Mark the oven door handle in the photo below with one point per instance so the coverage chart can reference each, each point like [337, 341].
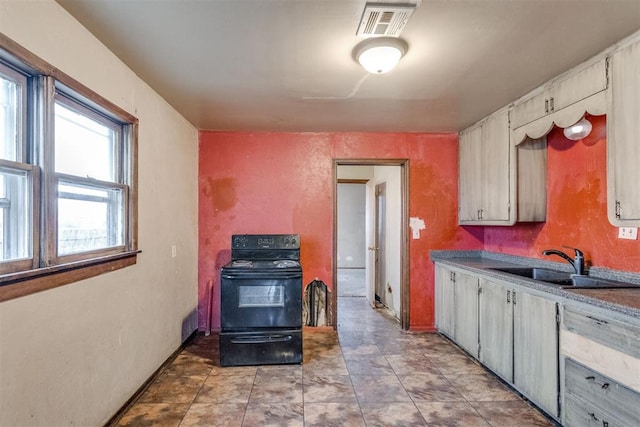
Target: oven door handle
[261, 275]
[261, 339]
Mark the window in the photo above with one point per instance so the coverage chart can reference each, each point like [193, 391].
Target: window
[67, 174]
[91, 195]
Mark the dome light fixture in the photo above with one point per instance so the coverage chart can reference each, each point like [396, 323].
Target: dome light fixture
[579, 130]
[379, 55]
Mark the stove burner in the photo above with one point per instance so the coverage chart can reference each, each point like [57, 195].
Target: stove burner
[285, 263]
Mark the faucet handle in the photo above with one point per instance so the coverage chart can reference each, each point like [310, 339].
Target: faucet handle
[578, 252]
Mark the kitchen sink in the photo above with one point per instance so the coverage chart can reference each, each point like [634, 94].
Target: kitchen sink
[543, 274]
[583, 282]
[564, 279]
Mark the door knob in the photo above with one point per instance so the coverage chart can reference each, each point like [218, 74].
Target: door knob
[372, 248]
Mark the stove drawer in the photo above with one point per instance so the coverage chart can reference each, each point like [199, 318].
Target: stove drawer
[274, 347]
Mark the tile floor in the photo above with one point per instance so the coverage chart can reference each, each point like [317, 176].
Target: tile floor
[369, 373]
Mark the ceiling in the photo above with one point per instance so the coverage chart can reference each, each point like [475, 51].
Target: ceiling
[286, 65]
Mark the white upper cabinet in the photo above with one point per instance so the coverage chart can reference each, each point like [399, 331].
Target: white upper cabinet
[623, 137]
[559, 94]
[485, 168]
[500, 183]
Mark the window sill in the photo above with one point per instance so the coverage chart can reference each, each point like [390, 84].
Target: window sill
[16, 285]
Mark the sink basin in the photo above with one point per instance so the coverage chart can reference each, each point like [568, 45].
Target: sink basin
[583, 282]
[564, 279]
[542, 274]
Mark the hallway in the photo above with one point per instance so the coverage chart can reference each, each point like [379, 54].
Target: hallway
[370, 373]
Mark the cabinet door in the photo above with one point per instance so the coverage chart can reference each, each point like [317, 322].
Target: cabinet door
[579, 86]
[535, 350]
[623, 137]
[466, 312]
[469, 173]
[496, 166]
[485, 173]
[445, 300]
[496, 328]
[530, 109]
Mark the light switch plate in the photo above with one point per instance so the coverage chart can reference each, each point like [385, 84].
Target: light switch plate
[630, 233]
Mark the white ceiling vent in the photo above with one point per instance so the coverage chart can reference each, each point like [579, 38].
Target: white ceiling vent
[383, 19]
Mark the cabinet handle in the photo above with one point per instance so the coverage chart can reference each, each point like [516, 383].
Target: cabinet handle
[605, 386]
[590, 378]
[593, 416]
[514, 297]
[551, 106]
[508, 297]
[546, 105]
[617, 209]
[605, 423]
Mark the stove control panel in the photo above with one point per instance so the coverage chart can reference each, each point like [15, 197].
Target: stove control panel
[265, 241]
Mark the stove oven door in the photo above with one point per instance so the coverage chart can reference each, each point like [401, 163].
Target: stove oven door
[263, 300]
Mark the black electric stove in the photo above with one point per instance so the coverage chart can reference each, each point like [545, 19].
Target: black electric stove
[261, 301]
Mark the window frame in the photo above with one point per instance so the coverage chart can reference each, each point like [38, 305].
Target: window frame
[47, 269]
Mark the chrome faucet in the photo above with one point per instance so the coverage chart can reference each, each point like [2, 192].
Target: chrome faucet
[577, 262]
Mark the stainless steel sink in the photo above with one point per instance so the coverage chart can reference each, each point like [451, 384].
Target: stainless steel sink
[564, 279]
[583, 282]
[546, 275]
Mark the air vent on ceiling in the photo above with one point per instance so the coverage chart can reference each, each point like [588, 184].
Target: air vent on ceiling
[383, 19]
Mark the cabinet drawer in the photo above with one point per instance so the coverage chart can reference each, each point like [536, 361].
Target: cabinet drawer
[601, 392]
[581, 414]
[612, 333]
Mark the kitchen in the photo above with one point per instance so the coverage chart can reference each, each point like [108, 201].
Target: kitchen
[141, 314]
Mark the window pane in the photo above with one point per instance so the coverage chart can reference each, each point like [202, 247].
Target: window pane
[89, 218]
[11, 94]
[84, 146]
[15, 215]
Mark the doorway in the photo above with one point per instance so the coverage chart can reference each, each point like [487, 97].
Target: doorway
[385, 248]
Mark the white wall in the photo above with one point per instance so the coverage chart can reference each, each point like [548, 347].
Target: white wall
[74, 354]
[351, 225]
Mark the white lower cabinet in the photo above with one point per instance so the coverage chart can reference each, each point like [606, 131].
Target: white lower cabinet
[466, 312]
[512, 332]
[496, 329]
[535, 350]
[519, 341]
[445, 312]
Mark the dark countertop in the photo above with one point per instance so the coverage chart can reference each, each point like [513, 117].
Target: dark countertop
[623, 297]
[623, 300]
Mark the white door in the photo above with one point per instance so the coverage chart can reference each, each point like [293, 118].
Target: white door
[370, 230]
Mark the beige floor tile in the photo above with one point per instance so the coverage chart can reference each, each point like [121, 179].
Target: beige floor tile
[392, 414]
[332, 415]
[511, 413]
[214, 415]
[328, 388]
[449, 414]
[274, 414]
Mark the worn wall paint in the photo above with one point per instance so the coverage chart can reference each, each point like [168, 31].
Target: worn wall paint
[576, 208]
[283, 183]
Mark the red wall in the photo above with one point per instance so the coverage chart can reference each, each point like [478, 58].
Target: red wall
[283, 183]
[576, 208]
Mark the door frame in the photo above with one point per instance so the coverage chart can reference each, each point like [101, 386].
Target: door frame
[404, 233]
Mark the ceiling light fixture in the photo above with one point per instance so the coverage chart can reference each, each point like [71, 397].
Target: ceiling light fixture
[380, 55]
[578, 130]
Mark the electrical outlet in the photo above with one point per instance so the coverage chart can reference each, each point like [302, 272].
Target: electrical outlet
[630, 233]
